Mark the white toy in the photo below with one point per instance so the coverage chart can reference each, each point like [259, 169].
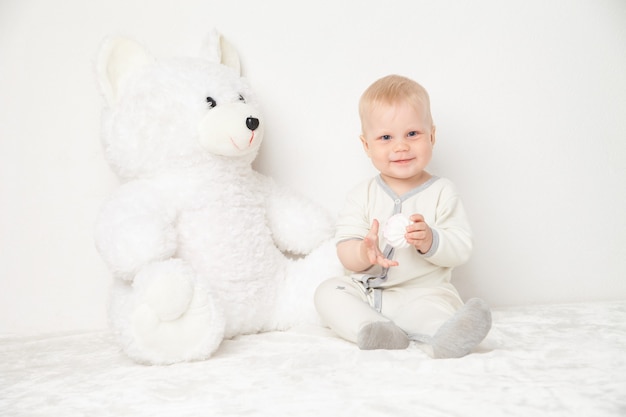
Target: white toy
[201, 246]
[395, 230]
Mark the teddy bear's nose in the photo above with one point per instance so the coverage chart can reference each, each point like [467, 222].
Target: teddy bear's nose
[252, 123]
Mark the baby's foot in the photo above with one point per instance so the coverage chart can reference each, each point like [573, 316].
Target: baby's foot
[464, 331]
[382, 335]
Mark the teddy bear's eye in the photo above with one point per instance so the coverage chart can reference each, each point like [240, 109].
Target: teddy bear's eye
[211, 102]
[242, 99]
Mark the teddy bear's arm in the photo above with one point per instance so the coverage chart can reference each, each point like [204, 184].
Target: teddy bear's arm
[298, 224]
[135, 227]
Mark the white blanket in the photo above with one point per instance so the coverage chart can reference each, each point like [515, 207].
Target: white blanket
[558, 360]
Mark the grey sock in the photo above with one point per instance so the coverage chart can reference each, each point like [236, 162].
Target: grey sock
[464, 331]
[382, 335]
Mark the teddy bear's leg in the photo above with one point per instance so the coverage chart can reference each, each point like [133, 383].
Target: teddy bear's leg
[294, 304]
[165, 317]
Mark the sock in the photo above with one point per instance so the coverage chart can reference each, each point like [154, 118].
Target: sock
[382, 335]
[463, 331]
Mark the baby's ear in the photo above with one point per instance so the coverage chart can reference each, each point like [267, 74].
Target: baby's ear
[433, 137]
[366, 146]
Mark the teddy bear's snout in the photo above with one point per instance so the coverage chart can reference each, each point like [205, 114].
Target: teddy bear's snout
[252, 123]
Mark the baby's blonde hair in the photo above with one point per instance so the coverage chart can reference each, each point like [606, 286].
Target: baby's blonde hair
[393, 89]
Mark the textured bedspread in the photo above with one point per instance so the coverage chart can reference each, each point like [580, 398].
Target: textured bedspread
[559, 360]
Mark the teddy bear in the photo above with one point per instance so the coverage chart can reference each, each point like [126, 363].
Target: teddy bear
[201, 246]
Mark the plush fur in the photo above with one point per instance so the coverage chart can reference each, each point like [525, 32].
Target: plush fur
[201, 246]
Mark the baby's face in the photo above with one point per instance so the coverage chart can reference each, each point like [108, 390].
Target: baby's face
[399, 140]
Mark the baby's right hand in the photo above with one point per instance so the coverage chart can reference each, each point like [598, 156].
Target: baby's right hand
[374, 255]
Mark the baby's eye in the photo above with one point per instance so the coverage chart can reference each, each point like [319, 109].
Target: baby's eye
[385, 137]
[211, 102]
[413, 134]
[242, 99]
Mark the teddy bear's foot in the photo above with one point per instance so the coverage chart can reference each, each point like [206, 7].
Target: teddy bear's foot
[172, 319]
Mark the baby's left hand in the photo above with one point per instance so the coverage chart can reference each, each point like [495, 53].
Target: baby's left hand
[419, 234]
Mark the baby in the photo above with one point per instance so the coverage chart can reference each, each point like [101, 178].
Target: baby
[401, 234]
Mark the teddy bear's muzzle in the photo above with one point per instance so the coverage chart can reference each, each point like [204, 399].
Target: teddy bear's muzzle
[231, 130]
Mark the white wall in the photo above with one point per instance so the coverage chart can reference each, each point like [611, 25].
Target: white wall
[529, 98]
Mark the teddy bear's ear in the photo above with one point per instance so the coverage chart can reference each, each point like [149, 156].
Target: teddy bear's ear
[118, 58]
[219, 50]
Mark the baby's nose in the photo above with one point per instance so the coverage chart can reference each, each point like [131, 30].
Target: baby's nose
[400, 145]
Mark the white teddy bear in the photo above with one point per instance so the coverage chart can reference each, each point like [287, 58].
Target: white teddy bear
[201, 246]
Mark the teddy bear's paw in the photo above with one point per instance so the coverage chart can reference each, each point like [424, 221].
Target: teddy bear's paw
[166, 288]
[173, 320]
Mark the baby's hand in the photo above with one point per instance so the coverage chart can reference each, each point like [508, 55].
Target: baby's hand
[419, 234]
[374, 255]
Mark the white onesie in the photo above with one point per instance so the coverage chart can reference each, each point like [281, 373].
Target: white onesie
[417, 294]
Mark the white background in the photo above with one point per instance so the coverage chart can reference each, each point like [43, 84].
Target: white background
[529, 98]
